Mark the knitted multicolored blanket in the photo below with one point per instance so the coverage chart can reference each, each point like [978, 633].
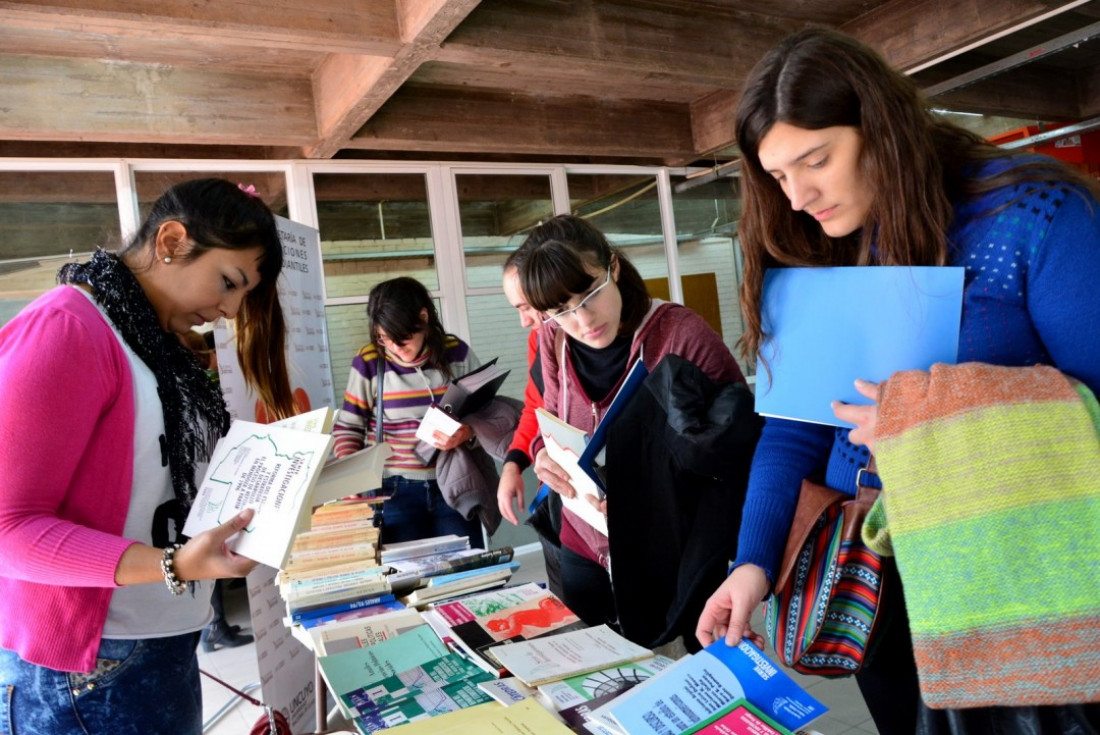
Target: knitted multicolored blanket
[992, 491]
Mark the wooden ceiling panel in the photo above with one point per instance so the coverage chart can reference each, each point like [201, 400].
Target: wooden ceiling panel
[79, 99]
[227, 57]
[611, 38]
[557, 81]
[1025, 93]
[452, 120]
[336, 26]
[914, 34]
[628, 80]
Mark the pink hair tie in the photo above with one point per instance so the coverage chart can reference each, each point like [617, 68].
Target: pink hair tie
[250, 190]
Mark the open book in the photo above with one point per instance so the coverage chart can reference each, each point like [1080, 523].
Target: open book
[697, 687]
[278, 470]
[583, 457]
[470, 393]
[465, 395]
[818, 345]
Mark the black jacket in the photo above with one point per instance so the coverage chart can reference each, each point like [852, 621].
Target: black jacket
[680, 455]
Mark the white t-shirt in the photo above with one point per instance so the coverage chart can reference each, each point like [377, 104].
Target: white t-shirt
[150, 610]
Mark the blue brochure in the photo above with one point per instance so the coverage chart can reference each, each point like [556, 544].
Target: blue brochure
[696, 687]
[593, 457]
[828, 326]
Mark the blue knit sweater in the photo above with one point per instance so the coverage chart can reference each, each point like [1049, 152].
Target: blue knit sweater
[1031, 295]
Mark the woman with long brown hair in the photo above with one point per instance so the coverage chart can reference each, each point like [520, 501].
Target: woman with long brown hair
[844, 165]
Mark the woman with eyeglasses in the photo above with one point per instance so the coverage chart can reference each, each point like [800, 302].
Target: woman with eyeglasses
[598, 320]
[415, 359]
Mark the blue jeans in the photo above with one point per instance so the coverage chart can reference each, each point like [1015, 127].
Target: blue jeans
[139, 687]
[416, 510]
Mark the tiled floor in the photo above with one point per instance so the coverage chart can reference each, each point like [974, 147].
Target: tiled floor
[847, 714]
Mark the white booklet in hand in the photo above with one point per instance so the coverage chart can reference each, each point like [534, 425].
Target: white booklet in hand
[269, 468]
[436, 419]
[566, 444]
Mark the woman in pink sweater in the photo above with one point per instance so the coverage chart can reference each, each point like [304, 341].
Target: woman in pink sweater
[104, 418]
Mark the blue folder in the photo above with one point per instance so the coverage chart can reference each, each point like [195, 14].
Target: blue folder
[826, 327]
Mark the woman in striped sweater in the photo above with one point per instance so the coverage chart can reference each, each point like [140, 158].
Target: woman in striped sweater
[419, 359]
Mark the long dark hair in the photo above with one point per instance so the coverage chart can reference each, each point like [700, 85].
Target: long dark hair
[218, 214]
[918, 166]
[394, 307]
[554, 270]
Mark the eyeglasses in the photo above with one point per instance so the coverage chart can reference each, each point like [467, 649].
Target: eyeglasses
[559, 316]
[386, 341]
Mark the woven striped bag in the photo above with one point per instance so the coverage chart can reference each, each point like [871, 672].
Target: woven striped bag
[825, 605]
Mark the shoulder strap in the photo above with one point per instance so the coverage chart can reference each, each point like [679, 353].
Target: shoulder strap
[378, 399]
[563, 389]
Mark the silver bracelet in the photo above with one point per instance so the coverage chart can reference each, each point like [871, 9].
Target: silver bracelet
[168, 569]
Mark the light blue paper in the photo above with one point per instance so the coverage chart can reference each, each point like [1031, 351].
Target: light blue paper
[829, 326]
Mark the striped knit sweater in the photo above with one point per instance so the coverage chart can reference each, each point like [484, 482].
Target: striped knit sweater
[993, 500]
[408, 390]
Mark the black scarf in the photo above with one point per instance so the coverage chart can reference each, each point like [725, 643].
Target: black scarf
[194, 410]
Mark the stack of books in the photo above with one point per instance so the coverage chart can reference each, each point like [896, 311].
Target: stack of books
[443, 670]
[438, 568]
[333, 568]
[409, 574]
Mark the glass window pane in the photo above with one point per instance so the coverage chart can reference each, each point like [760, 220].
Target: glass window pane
[47, 216]
[707, 217]
[625, 208]
[374, 227]
[495, 331]
[496, 212]
[347, 334]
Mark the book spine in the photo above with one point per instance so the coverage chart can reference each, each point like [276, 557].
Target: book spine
[340, 553]
[313, 597]
[332, 582]
[287, 576]
[426, 550]
[315, 601]
[489, 558]
[366, 525]
[315, 615]
[328, 541]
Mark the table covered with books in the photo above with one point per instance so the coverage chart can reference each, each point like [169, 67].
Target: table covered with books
[430, 637]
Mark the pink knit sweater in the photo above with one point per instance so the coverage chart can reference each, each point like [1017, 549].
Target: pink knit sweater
[66, 472]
